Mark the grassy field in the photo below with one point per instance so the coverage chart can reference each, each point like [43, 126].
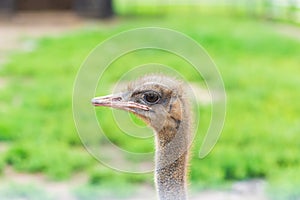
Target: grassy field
[260, 68]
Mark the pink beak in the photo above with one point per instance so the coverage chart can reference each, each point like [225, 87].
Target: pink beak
[117, 101]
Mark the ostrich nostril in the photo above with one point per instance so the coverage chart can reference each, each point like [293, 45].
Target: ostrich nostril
[116, 99]
[106, 99]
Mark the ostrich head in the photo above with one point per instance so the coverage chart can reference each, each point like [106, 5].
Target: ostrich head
[157, 100]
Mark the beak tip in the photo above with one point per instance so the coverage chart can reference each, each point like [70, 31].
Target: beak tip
[116, 101]
[94, 101]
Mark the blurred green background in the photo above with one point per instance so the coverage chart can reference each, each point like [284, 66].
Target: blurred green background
[249, 42]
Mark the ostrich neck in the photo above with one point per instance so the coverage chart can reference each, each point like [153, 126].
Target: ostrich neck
[172, 144]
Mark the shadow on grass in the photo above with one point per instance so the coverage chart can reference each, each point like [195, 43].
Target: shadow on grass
[95, 192]
[15, 191]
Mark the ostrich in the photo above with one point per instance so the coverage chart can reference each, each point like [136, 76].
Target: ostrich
[160, 101]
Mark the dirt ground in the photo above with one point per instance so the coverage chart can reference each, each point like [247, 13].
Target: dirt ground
[33, 25]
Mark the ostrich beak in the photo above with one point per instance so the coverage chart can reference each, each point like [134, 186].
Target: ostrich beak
[118, 101]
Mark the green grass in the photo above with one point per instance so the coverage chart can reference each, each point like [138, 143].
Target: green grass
[2, 164]
[260, 69]
[56, 160]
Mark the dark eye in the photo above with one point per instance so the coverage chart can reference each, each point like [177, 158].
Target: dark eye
[151, 97]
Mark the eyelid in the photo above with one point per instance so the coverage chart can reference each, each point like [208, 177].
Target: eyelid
[151, 91]
[145, 91]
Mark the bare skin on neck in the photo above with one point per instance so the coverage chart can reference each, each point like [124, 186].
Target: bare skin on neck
[173, 139]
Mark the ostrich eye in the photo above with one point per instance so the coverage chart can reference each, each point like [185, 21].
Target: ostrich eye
[151, 97]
